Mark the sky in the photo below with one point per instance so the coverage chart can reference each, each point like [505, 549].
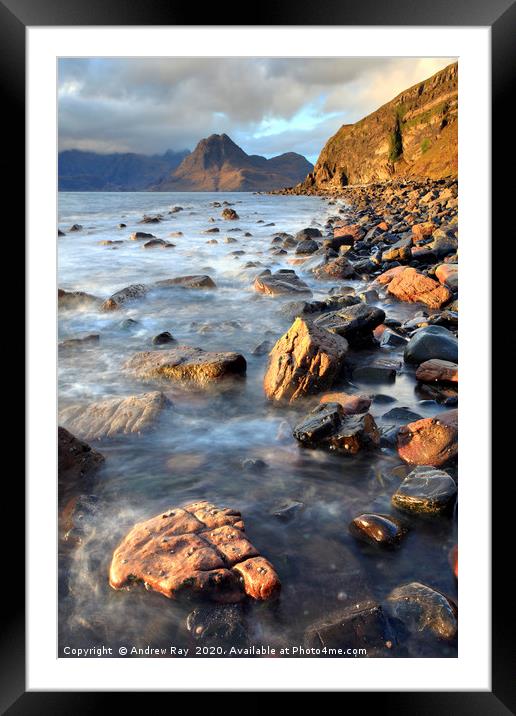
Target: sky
[266, 105]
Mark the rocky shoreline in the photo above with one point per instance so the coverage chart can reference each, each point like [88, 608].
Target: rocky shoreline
[399, 240]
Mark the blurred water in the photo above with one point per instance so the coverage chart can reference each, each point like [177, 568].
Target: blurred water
[198, 450]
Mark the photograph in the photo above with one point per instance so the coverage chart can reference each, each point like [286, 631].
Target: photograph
[257, 359]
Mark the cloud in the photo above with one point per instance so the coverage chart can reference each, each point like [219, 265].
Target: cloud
[266, 105]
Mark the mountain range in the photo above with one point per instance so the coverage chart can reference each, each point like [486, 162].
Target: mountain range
[216, 164]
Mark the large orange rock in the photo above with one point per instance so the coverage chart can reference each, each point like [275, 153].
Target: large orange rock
[436, 370]
[386, 277]
[186, 363]
[448, 274]
[430, 441]
[305, 360]
[197, 550]
[424, 230]
[414, 287]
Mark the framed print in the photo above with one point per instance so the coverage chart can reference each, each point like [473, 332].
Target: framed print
[244, 469]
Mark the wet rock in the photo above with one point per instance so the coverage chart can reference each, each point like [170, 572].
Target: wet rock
[432, 342]
[109, 242]
[129, 293]
[60, 233]
[430, 441]
[425, 490]
[186, 363]
[422, 608]
[282, 282]
[400, 251]
[122, 226]
[414, 287]
[377, 530]
[76, 299]
[327, 426]
[374, 373]
[288, 511]
[162, 338]
[448, 274]
[369, 296]
[308, 246]
[437, 371]
[218, 622]
[307, 234]
[158, 244]
[194, 281]
[128, 323]
[199, 550]
[351, 404]
[92, 339]
[150, 220]
[116, 416]
[338, 268]
[262, 348]
[141, 235]
[387, 276]
[305, 360]
[230, 240]
[75, 227]
[213, 230]
[353, 322]
[77, 462]
[229, 214]
[400, 415]
[440, 393]
[362, 625]
[391, 339]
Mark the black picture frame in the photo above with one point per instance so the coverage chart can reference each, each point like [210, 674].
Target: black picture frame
[500, 16]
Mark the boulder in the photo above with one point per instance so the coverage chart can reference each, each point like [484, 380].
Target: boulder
[448, 274]
[77, 462]
[194, 281]
[353, 232]
[423, 230]
[229, 214]
[75, 227]
[413, 287]
[425, 490]
[328, 426]
[306, 234]
[76, 299]
[350, 404]
[377, 530]
[158, 244]
[212, 623]
[129, 293]
[282, 282]
[338, 268]
[305, 360]
[432, 342]
[199, 550]
[141, 235]
[116, 416]
[308, 246]
[422, 608]
[361, 625]
[353, 322]
[162, 338]
[387, 276]
[438, 371]
[186, 363]
[400, 251]
[430, 441]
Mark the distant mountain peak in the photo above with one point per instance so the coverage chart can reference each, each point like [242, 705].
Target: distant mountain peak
[218, 164]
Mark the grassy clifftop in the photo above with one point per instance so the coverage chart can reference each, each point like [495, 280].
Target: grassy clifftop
[413, 135]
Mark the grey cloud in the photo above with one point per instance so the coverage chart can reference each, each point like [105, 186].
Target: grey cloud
[152, 104]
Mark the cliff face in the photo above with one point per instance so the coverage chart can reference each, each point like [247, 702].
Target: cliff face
[413, 135]
[218, 164]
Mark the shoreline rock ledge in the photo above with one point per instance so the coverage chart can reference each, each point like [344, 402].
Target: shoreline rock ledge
[198, 550]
